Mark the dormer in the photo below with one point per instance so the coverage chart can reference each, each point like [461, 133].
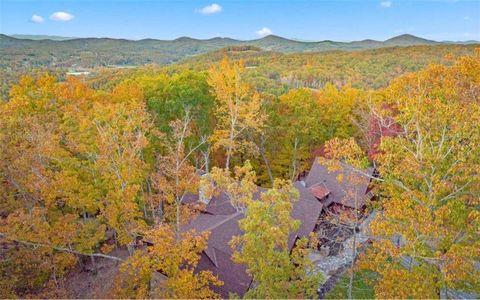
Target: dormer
[320, 191]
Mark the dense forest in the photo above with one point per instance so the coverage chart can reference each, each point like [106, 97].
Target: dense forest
[323, 61]
[90, 52]
[96, 171]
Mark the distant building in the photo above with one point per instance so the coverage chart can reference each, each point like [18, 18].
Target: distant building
[78, 73]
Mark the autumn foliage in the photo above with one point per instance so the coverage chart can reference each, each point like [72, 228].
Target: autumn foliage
[91, 167]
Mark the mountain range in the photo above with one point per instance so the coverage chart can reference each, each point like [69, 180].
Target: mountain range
[38, 51]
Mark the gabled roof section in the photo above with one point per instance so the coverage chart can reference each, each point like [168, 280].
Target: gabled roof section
[220, 205]
[221, 227]
[217, 256]
[210, 252]
[343, 191]
[307, 210]
[320, 191]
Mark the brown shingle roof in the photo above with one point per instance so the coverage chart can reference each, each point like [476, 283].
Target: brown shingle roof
[221, 219]
[220, 205]
[307, 209]
[217, 256]
[343, 191]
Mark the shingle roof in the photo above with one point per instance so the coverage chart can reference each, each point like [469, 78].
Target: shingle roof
[217, 256]
[343, 191]
[223, 227]
[221, 219]
[307, 209]
[220, 205]
[234, 276]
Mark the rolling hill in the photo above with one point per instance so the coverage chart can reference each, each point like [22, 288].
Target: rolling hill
[40, 51]
[41, 37]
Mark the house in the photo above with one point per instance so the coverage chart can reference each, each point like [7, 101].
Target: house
[347, 186]
[220, 218]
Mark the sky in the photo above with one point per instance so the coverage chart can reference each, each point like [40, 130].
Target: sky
[312, 20]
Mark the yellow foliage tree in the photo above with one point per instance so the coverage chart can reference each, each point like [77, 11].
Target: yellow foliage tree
[71, 167]
[427, 234]
[174, 261]
[239, 188]
[264, 247]
[238, 111]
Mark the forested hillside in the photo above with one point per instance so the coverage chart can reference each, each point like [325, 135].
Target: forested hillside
[275, 64]
[91, 52]
[274, 73]
[98, 171]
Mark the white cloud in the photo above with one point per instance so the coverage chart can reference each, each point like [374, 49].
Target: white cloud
[264, 31]
[466, 18]
[61, 16]
[386, 4]
[37, 19]
[211, 9]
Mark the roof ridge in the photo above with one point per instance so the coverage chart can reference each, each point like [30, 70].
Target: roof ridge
[230, 217]
[210, 252]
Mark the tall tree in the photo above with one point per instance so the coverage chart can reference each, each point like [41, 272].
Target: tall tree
[175, 176]
[238, 110]
[264, 247]
[121, 125]
[173, 261]
[298, 130]
[428, 238]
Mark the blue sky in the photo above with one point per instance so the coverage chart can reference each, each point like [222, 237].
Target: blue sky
[306, 20]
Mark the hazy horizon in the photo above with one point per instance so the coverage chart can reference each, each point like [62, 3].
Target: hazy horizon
[47, 36]
[447, 20]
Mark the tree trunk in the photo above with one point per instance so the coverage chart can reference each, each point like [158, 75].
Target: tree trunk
[294, 159]
[227, 163]
[177, 229]
[115, 238]
[230, 144]
[267, 166]
[352, 264]
[206, 158]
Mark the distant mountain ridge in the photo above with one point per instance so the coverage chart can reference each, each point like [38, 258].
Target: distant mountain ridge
[396, 40]
[36, 37]
[38, 51]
